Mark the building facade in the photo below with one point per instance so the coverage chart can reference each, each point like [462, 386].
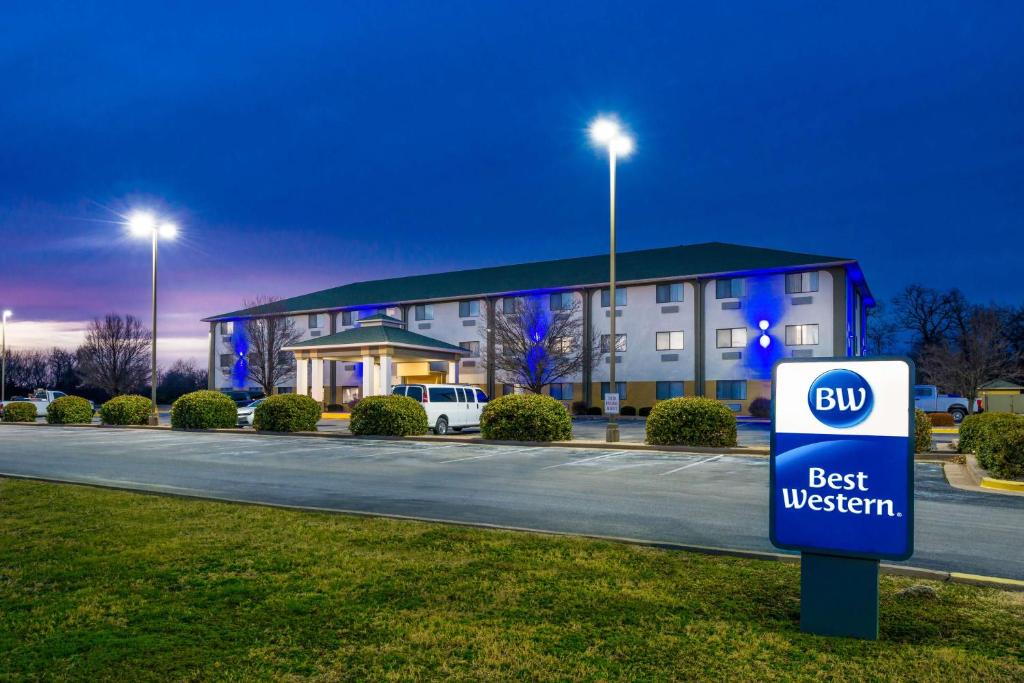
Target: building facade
[706, 319]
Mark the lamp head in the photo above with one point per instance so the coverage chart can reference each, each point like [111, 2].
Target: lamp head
[168, 231]
[622, 146]
[604, 129]
[8, 314]
[142, 224]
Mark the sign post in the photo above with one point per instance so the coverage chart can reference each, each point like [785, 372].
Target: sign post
[842, 482]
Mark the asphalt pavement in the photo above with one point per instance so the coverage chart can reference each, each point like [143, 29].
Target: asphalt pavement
[693, 499]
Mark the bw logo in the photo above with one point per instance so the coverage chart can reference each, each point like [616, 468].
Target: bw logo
[840, 398]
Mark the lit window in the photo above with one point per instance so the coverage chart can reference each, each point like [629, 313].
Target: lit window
[562, 344]
[620, 342]
[798, 283]
[669, 341]
[732, 338]
[562, 391]
[227, 327]
[469, 309]
[729, 288]
[666, 390]
[606, 389]
[620, 297]
[731, 389]
[425, 312]
[670, 292]
[801, 335]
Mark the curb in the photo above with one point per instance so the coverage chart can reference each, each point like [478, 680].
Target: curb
[941, 576]
[1002, 484]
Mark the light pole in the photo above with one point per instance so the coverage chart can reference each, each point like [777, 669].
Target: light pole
[606, 132]
[143, 224]
[3, 360]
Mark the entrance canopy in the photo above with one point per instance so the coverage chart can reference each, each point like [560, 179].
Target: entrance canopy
[384, 347]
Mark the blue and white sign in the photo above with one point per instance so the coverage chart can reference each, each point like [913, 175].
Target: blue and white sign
[842, 457]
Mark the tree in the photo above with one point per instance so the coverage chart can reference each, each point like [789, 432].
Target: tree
[534, 347]
[115, 355]
[266, 336]
[980, 352]
[881, 331]
[182, 377]
[927, 313]
[62, 367]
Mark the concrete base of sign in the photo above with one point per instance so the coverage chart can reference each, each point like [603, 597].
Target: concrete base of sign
[839, 596]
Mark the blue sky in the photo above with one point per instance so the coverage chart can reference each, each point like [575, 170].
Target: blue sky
[301, 145]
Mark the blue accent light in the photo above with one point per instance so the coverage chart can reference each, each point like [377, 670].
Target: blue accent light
[763, 303]
[240, 345]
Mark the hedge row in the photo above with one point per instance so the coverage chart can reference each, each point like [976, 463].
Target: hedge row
[998, 441]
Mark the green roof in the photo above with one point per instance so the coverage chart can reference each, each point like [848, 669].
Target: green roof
[1000, 384]
[710, 258]
[378, 334]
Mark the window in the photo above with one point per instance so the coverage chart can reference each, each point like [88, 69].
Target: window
[481, 397]
[473, 347]
[398, 391]
[731, 389]
[561, 301]
[425, 312]
[669, 341]
[442, 395]
[314, 321]
[227, 327]
[227, 360]
[510, 304]
[469, 309]
[562, 391]
[415, 392]
[668, 293]
[732, 338]
[801, 335]
[664, 390]
[605, 389]
[346, 318]
[460, 394]
[730, 288]
[620, 297]
[620, 343]
[507, 389]
[562, 344]
[797, 283]
[922, 392]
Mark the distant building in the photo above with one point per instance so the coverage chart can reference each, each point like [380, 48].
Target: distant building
[690, 319]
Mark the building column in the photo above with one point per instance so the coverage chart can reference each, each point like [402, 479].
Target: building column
[699, 336]
[333, 396]
[369, 368]
[211, 362]
[385, 375]
[453, 372]
[492, 308]
[317, 379]
[301, 379]
[587, 376]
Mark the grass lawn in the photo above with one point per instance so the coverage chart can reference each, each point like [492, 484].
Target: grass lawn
[99, 584]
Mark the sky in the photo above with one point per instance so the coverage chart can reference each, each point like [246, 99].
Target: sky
[300, 146]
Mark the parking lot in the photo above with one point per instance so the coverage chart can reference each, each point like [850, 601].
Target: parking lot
[699, 499]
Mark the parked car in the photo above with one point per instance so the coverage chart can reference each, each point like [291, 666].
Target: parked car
[242, 397]
[41, 398]
[928, 399]
[246, 413]
[448, 406]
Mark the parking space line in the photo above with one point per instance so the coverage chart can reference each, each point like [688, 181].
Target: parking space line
[692, 464]
[487, 455]
[579, 462]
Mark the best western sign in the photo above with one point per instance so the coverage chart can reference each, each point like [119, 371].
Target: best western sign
[842, 457]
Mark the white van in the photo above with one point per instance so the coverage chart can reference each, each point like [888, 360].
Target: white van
[448, 406]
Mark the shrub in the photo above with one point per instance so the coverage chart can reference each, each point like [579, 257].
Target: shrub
[20, 411]
[388, 416]
[204, 409]
[941, 419]
[352, 405]
[644, 412]
[337, 408]
[691, 421]
[1001, 449]
[286, 413]
[973, 428]
[628, 411]
[579, 407]
[922, 431]
[594, 410]
[760, 407]
[526, 417]
[68, 410]
[126, 410]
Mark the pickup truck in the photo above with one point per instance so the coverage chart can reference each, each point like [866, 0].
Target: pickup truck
[40, 398]
[928, 399]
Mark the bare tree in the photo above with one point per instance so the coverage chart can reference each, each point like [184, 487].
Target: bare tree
[115, 355]
[182, 377]
[980, 353]
[881, 332]
[267, 335]
[62, 369]
[535, 347]
[927, 313]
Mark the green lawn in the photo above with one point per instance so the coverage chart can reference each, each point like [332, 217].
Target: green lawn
[100, 584]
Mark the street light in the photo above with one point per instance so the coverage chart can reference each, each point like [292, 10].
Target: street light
[3, 359]
[607, 132]
[144, 224]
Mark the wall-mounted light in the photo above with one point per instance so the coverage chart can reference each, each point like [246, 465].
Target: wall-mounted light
[765, 341]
